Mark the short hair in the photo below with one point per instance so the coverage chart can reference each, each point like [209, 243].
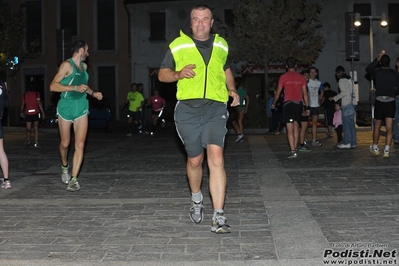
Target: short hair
[201, 7]
[133, 84]
[339, 69]
[326, 84]
[310, 68]
[140, 84]
[77, 45]
[385, 60]
[305, 71]
[291, 62]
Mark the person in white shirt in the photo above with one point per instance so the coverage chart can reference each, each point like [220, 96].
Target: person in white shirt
[314, 87]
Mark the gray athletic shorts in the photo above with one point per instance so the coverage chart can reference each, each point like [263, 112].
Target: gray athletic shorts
[199, 126]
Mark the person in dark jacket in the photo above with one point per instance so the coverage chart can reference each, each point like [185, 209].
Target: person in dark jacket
[386, 80]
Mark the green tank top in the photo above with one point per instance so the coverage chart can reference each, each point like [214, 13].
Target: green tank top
[77, 77]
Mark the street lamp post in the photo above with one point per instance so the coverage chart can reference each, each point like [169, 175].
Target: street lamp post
[384, 23]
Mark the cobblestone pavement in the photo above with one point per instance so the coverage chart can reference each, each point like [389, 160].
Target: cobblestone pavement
[132, 208]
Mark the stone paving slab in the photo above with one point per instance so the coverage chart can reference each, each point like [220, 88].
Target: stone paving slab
[132, 208]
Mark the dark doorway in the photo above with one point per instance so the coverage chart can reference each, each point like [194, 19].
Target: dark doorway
[106, 84]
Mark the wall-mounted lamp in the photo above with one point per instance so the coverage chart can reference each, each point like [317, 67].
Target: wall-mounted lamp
[384, 21]
[357, 20]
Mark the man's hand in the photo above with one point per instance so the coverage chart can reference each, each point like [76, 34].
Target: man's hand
[186, 72]
[81, 88]
[98, 95]
[236, 98]
[380, 55]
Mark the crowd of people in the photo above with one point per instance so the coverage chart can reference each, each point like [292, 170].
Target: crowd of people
[309, 94]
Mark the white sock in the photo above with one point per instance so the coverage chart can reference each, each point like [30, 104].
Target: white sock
[216, 211]
[197, 197]
[386, 148]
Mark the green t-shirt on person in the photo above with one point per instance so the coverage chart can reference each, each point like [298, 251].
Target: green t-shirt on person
[135, 100]
[243, 94]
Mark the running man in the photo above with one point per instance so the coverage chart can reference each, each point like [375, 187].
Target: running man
[199, 65]
[73, 108]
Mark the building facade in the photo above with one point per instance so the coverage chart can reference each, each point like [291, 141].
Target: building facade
[102, 24]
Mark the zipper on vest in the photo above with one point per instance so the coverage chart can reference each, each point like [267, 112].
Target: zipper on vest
[206, 70]
[206, 77]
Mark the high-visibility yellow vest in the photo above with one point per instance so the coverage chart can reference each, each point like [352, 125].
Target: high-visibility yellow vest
[210, 80]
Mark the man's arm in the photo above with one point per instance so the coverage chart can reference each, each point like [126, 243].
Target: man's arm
[321, 89]
[276, 96]
[371, 67]
[23, 104]
[39, 103]
[306, 99]
[305, 95]
[169, 75]
[231, 86]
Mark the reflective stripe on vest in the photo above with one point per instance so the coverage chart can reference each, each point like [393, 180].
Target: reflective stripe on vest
[209, 81]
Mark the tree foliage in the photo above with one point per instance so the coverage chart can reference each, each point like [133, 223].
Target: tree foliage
[12, 34]
[265, 32]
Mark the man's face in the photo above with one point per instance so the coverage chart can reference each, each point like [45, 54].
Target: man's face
[313, 73]
[201, 24]
[85, 53]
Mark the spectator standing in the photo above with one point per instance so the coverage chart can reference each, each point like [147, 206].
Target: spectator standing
[348, 110]
[337, 122]
[295, 92]
[329, 107]
[386, 81]
[315, 89]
